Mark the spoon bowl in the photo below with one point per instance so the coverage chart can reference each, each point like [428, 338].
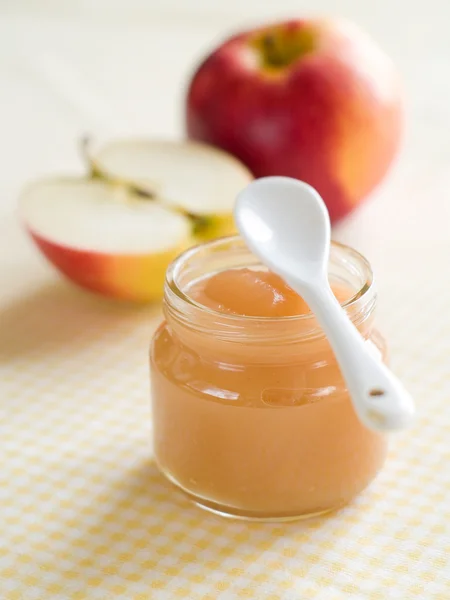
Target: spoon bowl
[282, 220]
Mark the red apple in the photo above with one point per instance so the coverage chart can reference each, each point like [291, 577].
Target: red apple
[317, 100]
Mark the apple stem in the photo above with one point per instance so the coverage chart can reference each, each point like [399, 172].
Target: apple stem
[282, 49]
[271, 52]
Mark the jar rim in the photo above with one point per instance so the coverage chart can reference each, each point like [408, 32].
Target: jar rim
[174, 289]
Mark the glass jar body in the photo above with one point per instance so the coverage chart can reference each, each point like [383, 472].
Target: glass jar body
[251, 417]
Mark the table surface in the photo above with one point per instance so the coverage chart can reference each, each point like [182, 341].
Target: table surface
[84, 512]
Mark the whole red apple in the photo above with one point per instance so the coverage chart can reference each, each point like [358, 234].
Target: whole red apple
[317, 100]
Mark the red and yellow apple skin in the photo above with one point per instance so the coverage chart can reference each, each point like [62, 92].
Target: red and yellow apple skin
[332, 115]
[129, 277]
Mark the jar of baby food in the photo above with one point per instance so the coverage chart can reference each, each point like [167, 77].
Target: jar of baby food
[251, 416]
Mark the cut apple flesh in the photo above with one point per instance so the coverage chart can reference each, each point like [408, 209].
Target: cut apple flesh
[104, 234]
[95, 216]
[198, 178]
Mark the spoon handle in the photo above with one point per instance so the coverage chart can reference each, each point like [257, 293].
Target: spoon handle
[380, 400]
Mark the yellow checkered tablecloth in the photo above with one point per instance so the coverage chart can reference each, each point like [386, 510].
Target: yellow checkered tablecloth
[85, 514]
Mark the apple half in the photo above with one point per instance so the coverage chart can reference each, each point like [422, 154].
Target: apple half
[143, 202]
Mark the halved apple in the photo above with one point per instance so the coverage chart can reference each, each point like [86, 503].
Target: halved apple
[116, 230]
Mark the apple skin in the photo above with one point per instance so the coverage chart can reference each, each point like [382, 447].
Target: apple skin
[333, 117]
[137, 278]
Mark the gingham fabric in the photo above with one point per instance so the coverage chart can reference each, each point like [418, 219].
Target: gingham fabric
[86, 515]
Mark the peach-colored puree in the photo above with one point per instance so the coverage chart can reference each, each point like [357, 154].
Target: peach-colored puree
[265, 429]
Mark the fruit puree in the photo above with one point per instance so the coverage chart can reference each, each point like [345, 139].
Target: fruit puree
[254, 293]
[253, 425]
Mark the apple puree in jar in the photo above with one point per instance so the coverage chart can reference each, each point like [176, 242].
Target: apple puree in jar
[251, 415]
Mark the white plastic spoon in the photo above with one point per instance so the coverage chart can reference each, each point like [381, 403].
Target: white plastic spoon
[286, 224]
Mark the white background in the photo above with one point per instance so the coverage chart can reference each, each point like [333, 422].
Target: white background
[113, 66]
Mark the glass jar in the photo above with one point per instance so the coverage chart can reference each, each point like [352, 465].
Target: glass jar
[251, 415]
